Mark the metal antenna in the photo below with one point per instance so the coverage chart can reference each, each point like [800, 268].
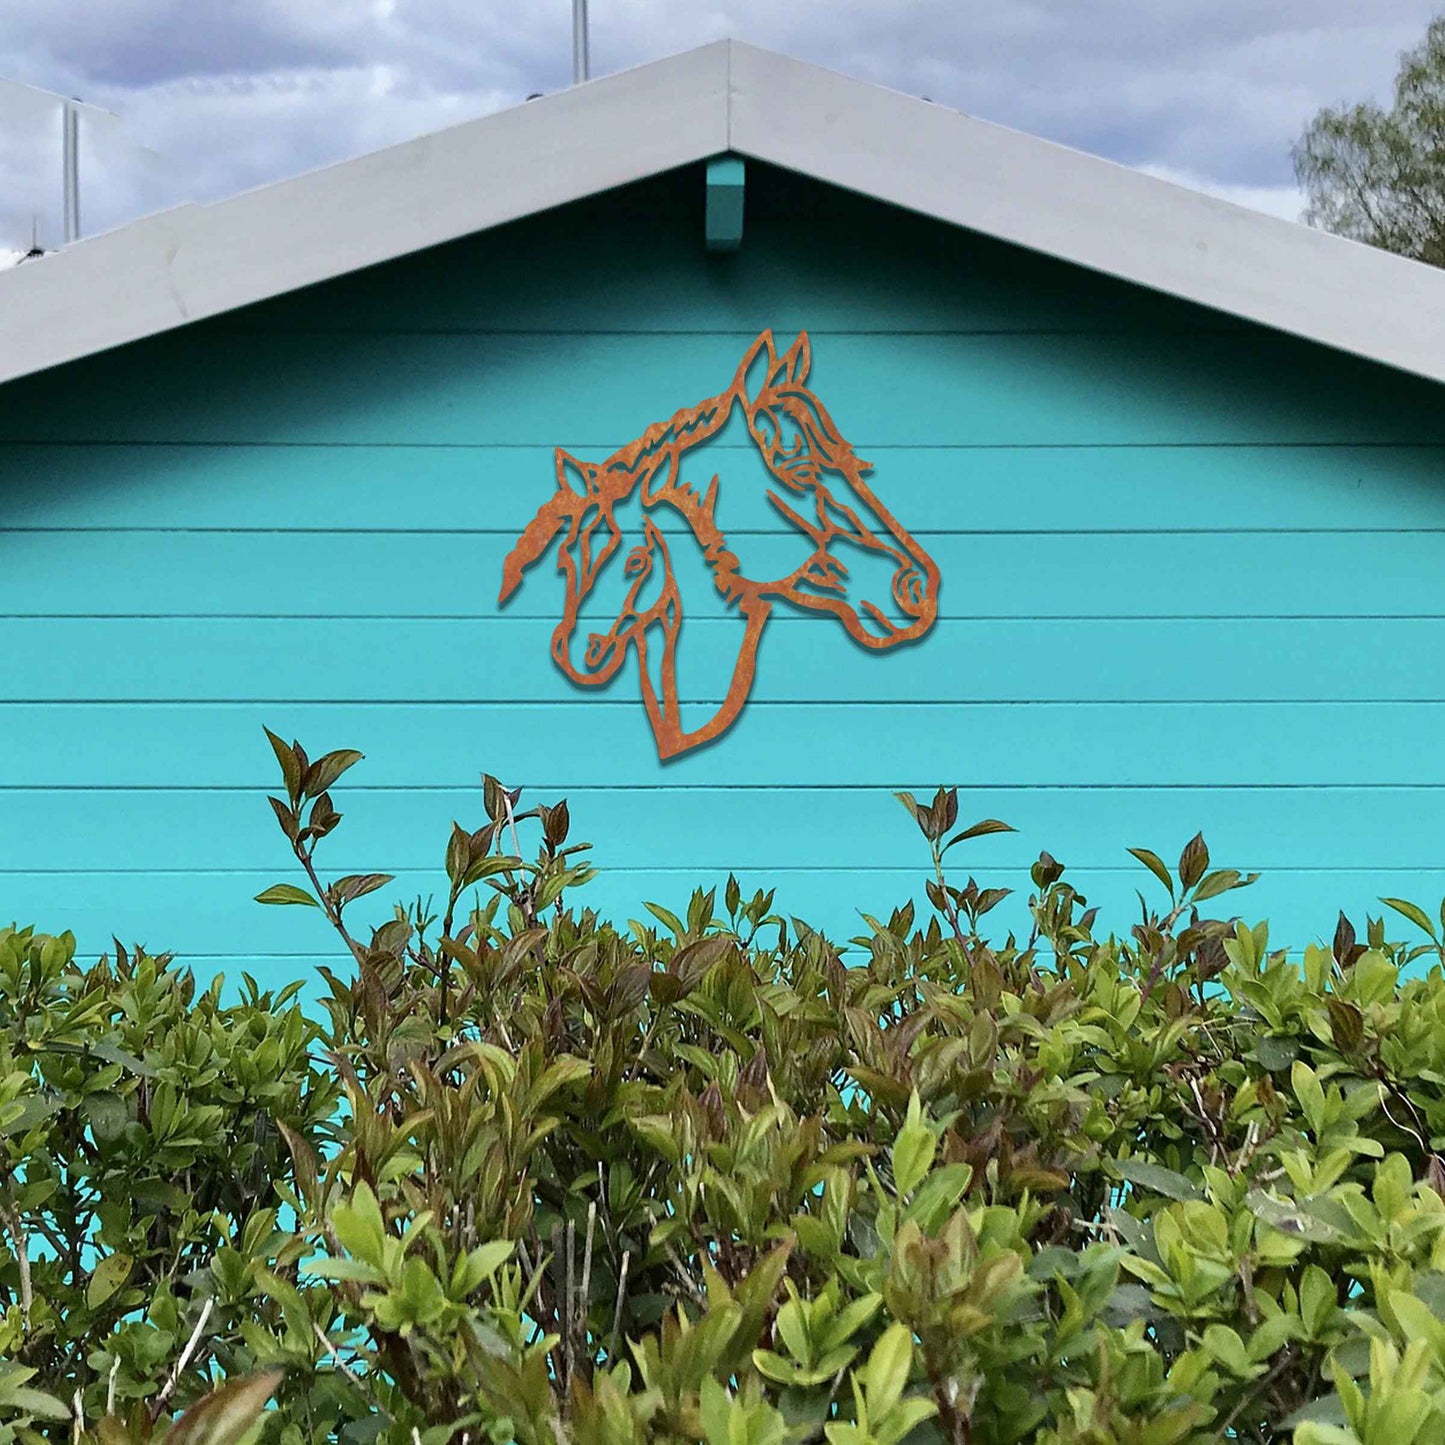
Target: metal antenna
[70, 169]
[580, 63]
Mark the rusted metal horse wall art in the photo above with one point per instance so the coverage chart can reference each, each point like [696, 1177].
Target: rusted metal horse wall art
[821, 494]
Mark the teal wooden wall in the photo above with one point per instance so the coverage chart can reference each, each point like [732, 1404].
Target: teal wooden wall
[1193, 576]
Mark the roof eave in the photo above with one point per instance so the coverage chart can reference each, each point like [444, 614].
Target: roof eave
[1095, 213]
[197, 261]
[200, 261]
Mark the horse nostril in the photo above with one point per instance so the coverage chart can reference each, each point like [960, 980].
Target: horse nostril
[909, 589]
[598, 646]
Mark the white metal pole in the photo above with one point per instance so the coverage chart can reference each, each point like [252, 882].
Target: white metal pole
[70, 169]
[580, 63]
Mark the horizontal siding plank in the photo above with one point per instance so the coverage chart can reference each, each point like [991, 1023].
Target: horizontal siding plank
[375, 575]
[720, 828]
[210, 913]
[476, 489]
[164, 659]
[408, 745]
[602, 389]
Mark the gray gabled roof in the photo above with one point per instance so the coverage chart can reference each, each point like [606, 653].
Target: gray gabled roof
[201, 260]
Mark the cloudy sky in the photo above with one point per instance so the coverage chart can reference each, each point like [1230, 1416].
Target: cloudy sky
[214, 96]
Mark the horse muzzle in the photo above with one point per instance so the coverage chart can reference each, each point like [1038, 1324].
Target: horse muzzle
[602, 656]
[911, 592]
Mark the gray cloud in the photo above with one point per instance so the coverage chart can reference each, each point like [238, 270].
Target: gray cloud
[232, 95]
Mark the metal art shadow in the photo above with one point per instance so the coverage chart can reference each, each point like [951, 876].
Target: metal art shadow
[820, 494]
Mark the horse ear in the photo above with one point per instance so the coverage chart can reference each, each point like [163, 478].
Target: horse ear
[573, 474]
[757, 367]
[797, 360]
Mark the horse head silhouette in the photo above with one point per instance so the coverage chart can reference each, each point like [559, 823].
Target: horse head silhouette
[820, 493]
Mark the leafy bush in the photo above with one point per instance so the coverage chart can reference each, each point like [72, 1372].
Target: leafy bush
[532, 1176]
[140, 1144]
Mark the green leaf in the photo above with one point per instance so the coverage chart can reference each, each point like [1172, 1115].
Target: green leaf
[1418, 1322]
[488, 1258]
[459, 850]
[1193, 861]
[1416, 915]
[770, 1366]
[1310, 1093]
[693, 961]
[889, 1365]
[667, 918]
[1222, 881]
[354, 886]
[850, 1320]
[1226, 1347]
[1271, 1335]
[112, 1053]
[107, 1277]
[558, 1075]
[981, 829]
[37, 1403]
[913, 1153]
[287, 893]
[1155, 864]
[360, 1228]
[286, 817]
[791, 1326]
[25, 1113]
[907, 1415]
[1318, 1300]
[1156, 1177]
[326, 769]
[1274, 1053]
[715, 1408]
[937, 1196]
[1401, 1415]
[489, 867]
[290, 766]
[1298, 1221]
[910, 803]
[107, 1115]
[1313, 1432]
[658, 1131]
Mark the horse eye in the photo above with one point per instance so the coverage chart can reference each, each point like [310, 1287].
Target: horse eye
[637, 561]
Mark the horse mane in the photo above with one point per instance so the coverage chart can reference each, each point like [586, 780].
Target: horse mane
[562, 509]
[700, 513]
[615, 479]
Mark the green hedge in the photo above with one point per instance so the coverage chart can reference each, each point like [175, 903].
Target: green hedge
[530, 1176]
